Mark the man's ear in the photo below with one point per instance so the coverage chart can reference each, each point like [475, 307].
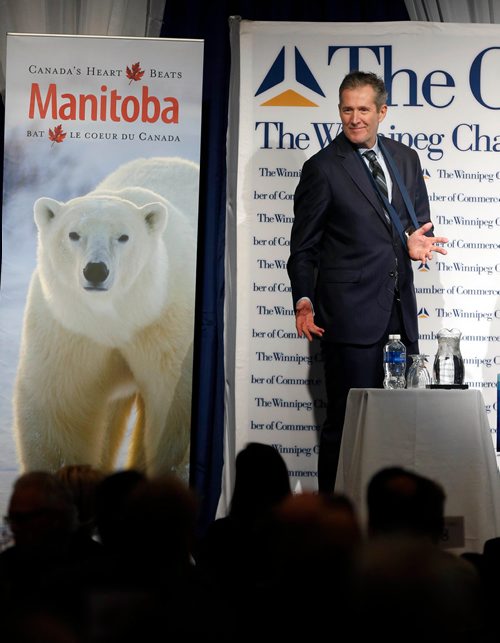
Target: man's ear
[382, 113]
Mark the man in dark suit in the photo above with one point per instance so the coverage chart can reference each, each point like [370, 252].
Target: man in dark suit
[349, 268]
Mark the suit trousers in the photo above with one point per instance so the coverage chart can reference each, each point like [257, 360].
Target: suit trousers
[349, 366]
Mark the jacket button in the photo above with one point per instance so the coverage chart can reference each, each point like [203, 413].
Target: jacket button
[391, 274]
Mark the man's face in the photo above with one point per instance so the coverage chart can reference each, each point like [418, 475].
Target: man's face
[359, 115]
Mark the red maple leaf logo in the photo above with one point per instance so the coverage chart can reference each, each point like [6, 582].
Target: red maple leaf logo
[135, 72]
[57, 135]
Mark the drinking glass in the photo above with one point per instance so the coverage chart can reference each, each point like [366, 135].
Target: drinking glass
[418, 376]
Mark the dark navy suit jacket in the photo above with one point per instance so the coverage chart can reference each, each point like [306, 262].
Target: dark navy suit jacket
[344, 255]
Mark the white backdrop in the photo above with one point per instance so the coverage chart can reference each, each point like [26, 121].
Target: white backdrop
[444, 97]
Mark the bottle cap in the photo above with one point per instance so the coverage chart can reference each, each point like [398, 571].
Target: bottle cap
[396, 336]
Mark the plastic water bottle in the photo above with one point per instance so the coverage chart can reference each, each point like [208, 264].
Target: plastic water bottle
[394, 363]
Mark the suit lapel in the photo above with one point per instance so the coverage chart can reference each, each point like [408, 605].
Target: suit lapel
[353, 165]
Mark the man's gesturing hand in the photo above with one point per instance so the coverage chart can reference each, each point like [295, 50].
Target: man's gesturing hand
[420, 247]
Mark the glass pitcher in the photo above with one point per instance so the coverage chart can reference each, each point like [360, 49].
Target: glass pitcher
[418, 376]
[448, 363]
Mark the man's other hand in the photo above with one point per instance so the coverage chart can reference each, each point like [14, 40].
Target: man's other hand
[304, 320]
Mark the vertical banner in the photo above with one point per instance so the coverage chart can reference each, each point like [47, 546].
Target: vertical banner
[100, 216]
[444, 98]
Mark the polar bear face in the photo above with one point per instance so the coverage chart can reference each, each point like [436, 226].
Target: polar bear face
[102, 264]
[97, 245]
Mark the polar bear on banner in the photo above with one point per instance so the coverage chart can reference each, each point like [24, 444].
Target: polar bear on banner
[108, 326]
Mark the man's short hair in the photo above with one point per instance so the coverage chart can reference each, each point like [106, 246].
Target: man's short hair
[356, 79]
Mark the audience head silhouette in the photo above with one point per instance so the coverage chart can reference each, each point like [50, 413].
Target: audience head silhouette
[261, 480]
[160, 519]
[112, 496]
[41, 512]
[315, 536]
[402, 501]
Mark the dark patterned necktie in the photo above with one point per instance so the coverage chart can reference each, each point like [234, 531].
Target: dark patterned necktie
[377, 172]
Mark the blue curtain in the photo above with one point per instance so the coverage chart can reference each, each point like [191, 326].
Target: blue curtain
[209, 21]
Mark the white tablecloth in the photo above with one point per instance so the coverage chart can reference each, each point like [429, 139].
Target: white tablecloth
[442, 434]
